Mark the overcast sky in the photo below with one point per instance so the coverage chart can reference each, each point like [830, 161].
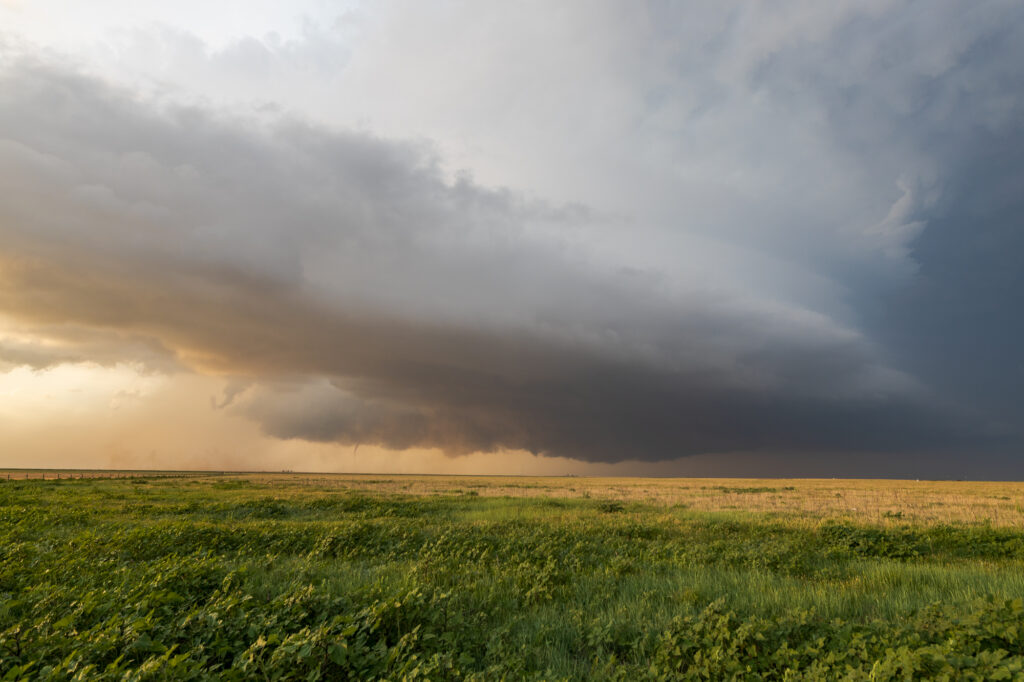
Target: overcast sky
[532, 237]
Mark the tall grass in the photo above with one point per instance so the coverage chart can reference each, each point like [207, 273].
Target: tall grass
[205, 577]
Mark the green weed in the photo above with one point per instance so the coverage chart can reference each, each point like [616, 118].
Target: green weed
[116, 580]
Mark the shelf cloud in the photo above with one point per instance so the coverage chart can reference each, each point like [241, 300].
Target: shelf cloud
[812, 244]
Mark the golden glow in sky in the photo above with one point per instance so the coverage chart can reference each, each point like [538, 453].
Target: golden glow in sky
[438, 237]
[83, 415]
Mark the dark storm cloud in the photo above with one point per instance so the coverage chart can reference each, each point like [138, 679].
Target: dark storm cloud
[960, 322]
[957, 323]
[364, 298]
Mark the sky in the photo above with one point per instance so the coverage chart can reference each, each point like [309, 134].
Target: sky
[588, 237]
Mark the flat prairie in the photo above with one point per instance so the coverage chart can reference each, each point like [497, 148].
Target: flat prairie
[884, 502]
[204, 576]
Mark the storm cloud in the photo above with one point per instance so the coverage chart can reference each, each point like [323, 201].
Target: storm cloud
[840, 278]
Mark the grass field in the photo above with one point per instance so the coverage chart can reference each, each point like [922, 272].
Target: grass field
[292, 576]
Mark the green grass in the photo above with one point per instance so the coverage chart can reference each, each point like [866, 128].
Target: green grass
[238, 579]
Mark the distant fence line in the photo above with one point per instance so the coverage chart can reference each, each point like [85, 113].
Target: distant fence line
[80, 475]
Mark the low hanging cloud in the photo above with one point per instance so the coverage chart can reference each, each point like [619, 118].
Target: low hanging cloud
[355, 293]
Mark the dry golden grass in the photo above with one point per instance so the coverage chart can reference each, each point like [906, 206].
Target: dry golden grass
[875, 501]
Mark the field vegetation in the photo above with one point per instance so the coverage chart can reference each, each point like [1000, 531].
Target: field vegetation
[347, 577]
